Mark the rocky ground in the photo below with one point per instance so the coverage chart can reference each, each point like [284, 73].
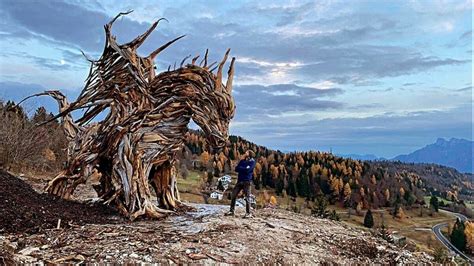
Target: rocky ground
[203, 236]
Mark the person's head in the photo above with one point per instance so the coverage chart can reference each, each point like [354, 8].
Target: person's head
[250, 154]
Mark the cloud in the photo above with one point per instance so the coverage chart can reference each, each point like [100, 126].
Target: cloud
[466, 35]
[44, 62]
[57, 20]
[72, 25]
[338, 48]
[441, 7]
[277, 99]
[296, 62]
[366, 106]
[386, 135]
[366, 62]
[465, 39]
[468, 88]
[345, 55]
[382, 90]
[410, 84]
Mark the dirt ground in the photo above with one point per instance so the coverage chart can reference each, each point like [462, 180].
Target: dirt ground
[96, 234]
[26, 211]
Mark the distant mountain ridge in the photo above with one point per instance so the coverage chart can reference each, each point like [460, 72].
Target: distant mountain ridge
[456, 153]
[362, 157]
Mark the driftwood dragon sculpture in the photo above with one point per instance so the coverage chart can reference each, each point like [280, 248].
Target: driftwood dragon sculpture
[134, 147]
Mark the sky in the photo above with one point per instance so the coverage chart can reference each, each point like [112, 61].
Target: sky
[363, 77]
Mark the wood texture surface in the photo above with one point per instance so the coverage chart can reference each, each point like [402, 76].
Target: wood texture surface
[134, 147]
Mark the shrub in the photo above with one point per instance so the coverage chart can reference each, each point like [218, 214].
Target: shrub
[368, 219]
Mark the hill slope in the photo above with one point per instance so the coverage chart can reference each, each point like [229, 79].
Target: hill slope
[203, 235]
[343, 180]
[457, 153]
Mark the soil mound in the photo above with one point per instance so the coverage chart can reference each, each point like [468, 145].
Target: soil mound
[23, 210]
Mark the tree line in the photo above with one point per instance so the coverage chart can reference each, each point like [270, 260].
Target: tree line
[25, 146]
[346, 182]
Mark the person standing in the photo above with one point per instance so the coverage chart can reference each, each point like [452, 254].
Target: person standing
[245, 176]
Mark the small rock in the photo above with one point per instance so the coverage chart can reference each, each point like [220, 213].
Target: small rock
[27, 251]
[134, 256]
[25, 259]
[197, 256]
[192, 250]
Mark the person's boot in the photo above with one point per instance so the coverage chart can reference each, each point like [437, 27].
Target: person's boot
[248, 216]
[229, 213]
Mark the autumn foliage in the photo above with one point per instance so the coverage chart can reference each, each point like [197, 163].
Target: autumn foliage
[347, 182]
[350, 183]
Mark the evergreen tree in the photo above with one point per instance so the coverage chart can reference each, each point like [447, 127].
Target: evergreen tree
[434, 203]
[409, 198]
[384, 232]
[241, 149]
[279, 186]
[458, 236]
[210, 177]
[303, 186]
[291, 190]
[396, 208]
[232, 154]
[333, 216]
[319, 209]
[40, 115]
[368, 219]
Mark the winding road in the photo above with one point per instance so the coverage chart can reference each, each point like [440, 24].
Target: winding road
[437, 231]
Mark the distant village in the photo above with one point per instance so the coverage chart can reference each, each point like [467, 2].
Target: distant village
[221, 189]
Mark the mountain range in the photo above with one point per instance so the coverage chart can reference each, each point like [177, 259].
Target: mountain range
[456, 153]
[362, 157]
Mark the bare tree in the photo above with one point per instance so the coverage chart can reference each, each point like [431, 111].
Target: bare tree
[20, 141]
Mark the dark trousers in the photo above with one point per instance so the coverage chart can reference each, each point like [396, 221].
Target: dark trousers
[245, 186]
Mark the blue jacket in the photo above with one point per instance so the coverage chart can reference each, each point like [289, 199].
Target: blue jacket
[245, 170]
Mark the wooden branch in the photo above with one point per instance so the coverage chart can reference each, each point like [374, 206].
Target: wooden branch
[140, 39]
[163, 47]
